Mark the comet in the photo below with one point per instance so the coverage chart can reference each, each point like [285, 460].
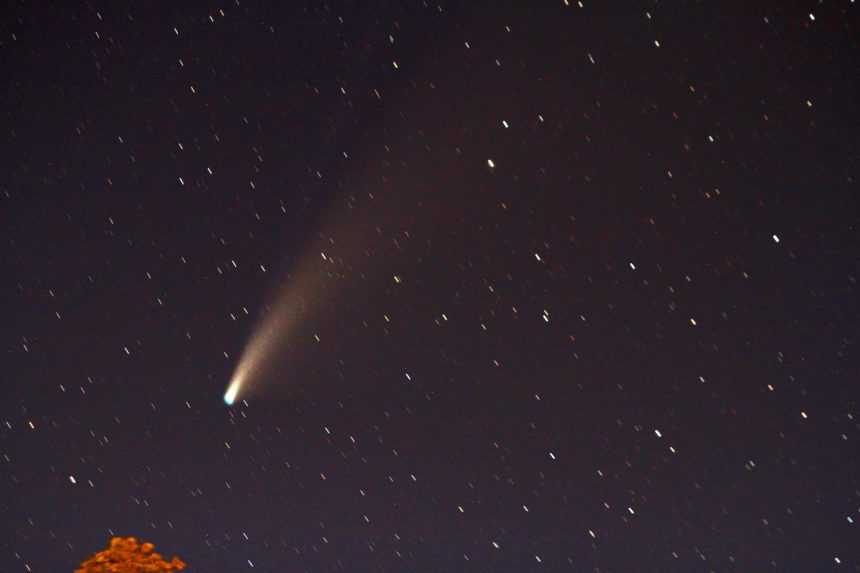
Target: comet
[274, 337]
[311, 292]
[352, 254]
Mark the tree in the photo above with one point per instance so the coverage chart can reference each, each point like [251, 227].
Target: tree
[126, 555]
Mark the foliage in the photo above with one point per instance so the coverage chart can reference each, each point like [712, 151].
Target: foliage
[126, 555]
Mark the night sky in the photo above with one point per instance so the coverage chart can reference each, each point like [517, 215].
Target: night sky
[572, 287]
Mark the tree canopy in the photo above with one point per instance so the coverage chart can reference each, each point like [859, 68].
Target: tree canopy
[127, 555]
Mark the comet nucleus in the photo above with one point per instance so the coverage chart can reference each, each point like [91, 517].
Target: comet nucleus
[232, 390]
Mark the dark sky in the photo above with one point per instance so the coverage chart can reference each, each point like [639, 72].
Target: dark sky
[574, 284]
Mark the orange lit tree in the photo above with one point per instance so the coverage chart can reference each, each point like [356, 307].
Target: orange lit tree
[126, 555]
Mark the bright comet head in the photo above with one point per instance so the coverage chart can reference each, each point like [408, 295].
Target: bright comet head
[230, 395]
